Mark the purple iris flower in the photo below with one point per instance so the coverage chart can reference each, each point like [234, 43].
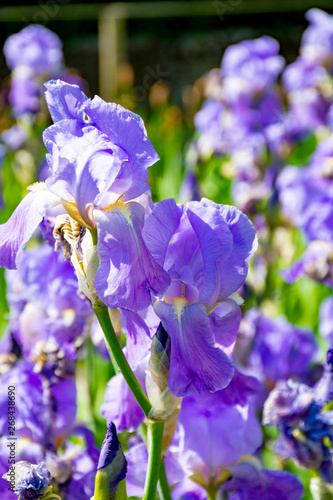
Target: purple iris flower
[205, 248]
[251, 481]
[306, 194]
[36, 47]
[279, 350]
[305, 425]
[48, 318]
[308, 106]
[99, 156]
[34, 53]
[250, 67]
[45, 411]
[317, 40]
[216, 430]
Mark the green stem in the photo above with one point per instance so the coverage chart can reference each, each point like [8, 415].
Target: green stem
[211, 493]
[155, 437]
[155, 428]
[105, 322]
[163, 489]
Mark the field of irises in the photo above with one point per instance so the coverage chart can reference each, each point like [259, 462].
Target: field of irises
[166, 308]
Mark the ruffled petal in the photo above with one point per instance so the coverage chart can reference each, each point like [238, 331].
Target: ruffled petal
[224, 322]
[217, 435]
[85, 166]
[160, 226]
[126, 129]
[64, 100]
[195, 364]
[127, 274]
[233, 270]
[17, 231]
[215, 240]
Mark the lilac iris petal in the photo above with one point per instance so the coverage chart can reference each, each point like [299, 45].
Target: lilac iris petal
[120, 406]
[84, 168]
[64, 100]
[240, 390]
[215, 431]
[122, 249]
[161, 225]
[138, 337]
[233, 270]
[215, 241]
[195, 363]
[253, 482]
[17, 231]
[125, 129]
[224, 322]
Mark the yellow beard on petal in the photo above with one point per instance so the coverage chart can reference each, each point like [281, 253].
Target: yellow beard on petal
[179, 304]
[122, 208]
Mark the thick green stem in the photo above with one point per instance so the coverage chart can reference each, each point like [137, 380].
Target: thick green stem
[105, 322]
[155, 438]
[163, 486]
[212, 493]
[155, 428]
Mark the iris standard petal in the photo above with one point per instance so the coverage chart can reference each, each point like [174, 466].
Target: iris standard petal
[84, 168]
[126, 130]
[233, 270]
[17, 231]
[160, 226]
[195, 362]
[127, 273]
[64, 100]
[215, 240]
